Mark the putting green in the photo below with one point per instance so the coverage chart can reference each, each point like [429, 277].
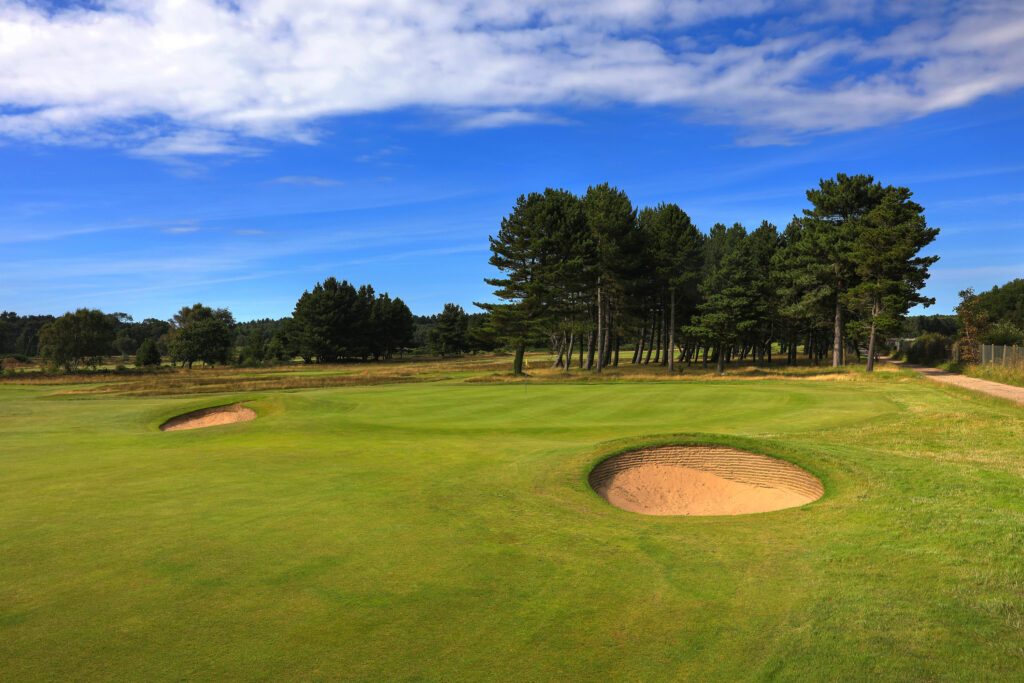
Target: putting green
[447, 531]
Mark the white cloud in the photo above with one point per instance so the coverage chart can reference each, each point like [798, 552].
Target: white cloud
[510, 117]
[177, 78]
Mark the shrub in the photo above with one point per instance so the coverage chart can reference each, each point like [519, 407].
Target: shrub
[1004, 333]
[147, 354]
[928, 349]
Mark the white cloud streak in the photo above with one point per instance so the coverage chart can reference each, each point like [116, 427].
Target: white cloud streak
[181, 78]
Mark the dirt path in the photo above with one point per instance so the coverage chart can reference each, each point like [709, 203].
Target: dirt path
[1012, 393]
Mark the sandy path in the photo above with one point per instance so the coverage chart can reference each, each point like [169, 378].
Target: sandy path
[997, 389]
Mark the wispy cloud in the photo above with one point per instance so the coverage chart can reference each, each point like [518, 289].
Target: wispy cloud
[249, 231]
[380, 156]
[203, 77]
[511, 117]
[314, 181]
[181, 229]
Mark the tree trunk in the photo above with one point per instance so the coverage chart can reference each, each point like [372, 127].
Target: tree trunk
[664, 338]
[517, 364]
[871, 341]
[637, 349]
[568, 354]
[721, 359]
[600, 331]
[561, 352]
[607, 347]
[837, 340]
[618, 341]
[672, 331]
[590, 349]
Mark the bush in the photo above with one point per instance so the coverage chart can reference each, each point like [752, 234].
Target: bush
[19, 357]
[147, 354]
[1003, 333]
[928, 349]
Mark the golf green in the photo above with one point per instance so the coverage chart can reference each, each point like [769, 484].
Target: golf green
[446, 531]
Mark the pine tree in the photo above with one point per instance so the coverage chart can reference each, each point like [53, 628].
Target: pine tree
[617, 243]
[839, 205]
[674, 249]
[890, 272]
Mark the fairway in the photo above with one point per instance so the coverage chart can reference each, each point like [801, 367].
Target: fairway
[446, 531]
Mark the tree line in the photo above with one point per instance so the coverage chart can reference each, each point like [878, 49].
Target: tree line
[593, 274]
[333, 321]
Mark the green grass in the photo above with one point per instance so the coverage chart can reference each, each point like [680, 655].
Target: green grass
[1010, 374]
[445, 531]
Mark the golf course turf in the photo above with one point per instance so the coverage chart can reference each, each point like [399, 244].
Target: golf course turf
[446, 531]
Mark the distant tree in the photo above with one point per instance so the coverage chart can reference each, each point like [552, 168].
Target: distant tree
[450, 335]
[675, 255]
[200, 333]
[519, 251]
[890, 272]
[1004, 333]
[76, 338]
[327, 321]
[618, 249]
[147, 354]
[124, 343]
[974, 323]
[726, 313]
[255, 350]
[1004, 303]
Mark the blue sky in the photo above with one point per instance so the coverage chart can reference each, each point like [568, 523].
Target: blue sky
[155, 154]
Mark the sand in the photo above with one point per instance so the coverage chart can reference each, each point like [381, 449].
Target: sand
[209, 417]
[702, 480]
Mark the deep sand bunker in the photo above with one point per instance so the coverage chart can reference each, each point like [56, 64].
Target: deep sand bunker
[208, 417]
[702, 480]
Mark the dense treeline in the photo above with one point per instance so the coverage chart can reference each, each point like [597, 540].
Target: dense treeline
[592, 274]
[334, 321]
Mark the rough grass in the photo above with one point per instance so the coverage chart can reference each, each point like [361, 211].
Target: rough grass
[444, 530]
[1010, 374]
[483, 368]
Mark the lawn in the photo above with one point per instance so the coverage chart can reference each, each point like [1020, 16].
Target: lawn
[444, 530]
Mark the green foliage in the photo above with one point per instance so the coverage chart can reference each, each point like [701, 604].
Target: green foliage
[726, 312]
[1004, 332]
[974, 323]
[336, 321]
[147, 355]
[75, 339]
[201, 334]
[255, 350]
[916, 325]
[1005, 303]
[450, 336]
[929, 349]
[20, 334]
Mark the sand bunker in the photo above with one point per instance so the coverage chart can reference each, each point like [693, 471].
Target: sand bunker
[702, 480]
[208, 417]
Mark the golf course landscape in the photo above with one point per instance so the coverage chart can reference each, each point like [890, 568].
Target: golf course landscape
[440, 526]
